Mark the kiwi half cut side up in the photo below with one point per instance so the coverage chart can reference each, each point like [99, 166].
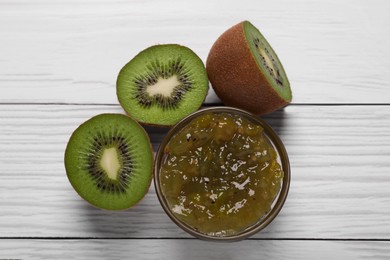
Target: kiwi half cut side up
[162, 84]
[245, 71]
[109, 161]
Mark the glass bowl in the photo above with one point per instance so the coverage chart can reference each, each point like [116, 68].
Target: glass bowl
[283, 161]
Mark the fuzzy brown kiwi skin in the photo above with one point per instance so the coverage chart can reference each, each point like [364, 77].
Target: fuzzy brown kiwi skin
[236, 77]
[146, 190]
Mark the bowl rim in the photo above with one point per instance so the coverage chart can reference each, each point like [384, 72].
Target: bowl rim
[280, 199]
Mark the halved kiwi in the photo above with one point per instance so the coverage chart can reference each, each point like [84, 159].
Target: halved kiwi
[109, 161]
[245, 71]
[162, 84]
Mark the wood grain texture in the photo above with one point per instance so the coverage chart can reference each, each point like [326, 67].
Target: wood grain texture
[340, 176]
[191, 249]
[71, 51]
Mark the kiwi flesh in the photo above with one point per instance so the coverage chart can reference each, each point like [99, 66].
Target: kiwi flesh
[162, 84]
[109, 161]
[245, 71]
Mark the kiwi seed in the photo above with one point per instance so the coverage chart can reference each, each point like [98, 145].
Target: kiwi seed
[268, 60]
[165, 102]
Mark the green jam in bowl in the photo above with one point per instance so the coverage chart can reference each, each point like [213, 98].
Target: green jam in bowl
[219, 174]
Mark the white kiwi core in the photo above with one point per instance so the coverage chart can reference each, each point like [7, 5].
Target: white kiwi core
[164, 87]
[110, 163]
[267, 59]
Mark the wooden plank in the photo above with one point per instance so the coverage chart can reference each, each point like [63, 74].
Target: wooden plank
[333, 51]
[340, 176]
[191, 249]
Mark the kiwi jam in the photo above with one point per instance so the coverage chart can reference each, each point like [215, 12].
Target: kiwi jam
[220, 174]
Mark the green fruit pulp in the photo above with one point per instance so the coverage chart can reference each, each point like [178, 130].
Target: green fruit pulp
[267, 61]
[176, 67]
[220, 174]
[92, 148]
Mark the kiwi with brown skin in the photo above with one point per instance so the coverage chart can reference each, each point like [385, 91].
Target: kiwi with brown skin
[245, 71]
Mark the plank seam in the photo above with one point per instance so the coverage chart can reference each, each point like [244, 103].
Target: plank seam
[205, 105]
[193, 238]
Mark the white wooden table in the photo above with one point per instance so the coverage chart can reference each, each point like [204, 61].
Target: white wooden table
[58, 65]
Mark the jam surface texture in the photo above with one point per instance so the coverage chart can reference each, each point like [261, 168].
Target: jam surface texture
[220, 174]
